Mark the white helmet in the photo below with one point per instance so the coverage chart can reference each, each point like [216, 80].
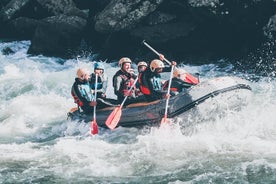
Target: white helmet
[156, 63]
[124, 60]
[142, 63]
[81, 72]
[178, 71]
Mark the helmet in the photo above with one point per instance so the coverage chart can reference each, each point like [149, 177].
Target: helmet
[156, 63]
[142, 63]
[177, 72]
[81, 72]
[99, 65]
[124, 60]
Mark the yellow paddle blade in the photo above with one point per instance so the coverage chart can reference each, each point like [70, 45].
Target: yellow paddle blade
[114, 118]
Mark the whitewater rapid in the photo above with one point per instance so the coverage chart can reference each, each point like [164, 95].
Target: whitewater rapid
[39, 145]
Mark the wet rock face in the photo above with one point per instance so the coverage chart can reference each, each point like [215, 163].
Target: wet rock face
[57, 35]
[124, 14]
[200, 28]
[56, 7]
[13, 8]
[270, 28]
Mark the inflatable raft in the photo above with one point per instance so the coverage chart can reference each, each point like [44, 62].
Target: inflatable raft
[151, 113]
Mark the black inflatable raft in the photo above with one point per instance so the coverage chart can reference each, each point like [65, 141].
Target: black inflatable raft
[140, 114]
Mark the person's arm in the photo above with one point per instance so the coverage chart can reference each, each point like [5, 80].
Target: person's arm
[104, 82]
[169, 68]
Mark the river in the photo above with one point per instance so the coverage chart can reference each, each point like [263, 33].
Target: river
[39, 145]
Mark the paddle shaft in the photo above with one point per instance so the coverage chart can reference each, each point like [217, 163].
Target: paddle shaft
[168, 92]
[168, 62]
[94, 125]
[146, 44]
[96, 86]
[170, 81]
[115, 116]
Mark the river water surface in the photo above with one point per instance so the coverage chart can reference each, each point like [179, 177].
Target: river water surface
[39, 145]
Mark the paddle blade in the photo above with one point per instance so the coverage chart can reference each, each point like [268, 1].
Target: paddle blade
[114, 118]
[165, 120]
[94, 127]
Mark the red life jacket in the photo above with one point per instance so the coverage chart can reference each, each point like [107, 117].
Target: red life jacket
[144, 89]
[127, 83]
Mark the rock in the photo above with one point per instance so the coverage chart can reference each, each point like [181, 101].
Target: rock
[12, 9]
[270, 28]
[121, 15]
[23, 27]
[57, 36]
[7, 51]
[162, 33]
[57, 7]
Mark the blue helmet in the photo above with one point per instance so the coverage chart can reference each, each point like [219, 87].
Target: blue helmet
[98, 65]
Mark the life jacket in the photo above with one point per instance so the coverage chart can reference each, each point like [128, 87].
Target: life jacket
[143, 82]
[93, 82]
[144, 89]
[126, 84]
[85, 92]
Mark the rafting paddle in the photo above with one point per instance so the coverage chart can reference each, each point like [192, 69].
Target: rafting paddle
[191, 79]
[114, 118]
[94, 125]
[164, 119]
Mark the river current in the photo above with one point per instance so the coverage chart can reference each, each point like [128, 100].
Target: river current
[39, 145]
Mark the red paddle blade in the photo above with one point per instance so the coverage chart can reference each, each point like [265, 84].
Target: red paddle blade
[94, 127]
[164, 120]
[114, 118]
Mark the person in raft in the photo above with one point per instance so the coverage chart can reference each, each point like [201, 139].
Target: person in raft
[101, 82]
[150, 80]
[141, 67]
[180, 81]
[82, 93]
[122, 82]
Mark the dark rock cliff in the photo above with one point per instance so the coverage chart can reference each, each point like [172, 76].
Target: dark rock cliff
[115, 28]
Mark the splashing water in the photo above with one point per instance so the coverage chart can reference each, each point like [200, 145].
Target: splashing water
[39, 145]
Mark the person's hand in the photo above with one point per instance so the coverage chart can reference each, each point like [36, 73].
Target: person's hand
[161, 57]
[167, 96]
[173, 63]
[128, 93]
[131, 71]
[103, 95]
[93, 103]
